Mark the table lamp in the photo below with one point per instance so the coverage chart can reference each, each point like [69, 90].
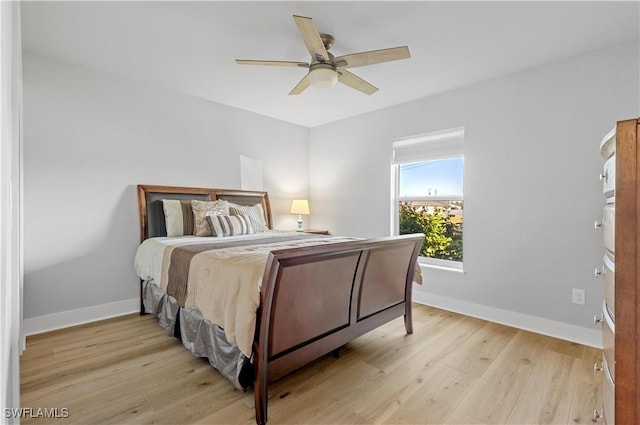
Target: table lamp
[299, 206]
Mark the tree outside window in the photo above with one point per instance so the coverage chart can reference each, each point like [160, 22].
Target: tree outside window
[441, 222]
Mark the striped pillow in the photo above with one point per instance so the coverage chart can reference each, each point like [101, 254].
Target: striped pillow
[255, 213]
[178, 217]
[202, 209]
[230, 225]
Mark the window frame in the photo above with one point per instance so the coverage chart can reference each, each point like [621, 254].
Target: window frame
[438, 140]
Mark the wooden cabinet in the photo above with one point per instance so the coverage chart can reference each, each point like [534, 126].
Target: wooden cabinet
[621, 270]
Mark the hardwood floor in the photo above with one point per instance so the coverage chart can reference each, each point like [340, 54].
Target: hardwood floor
[454, 369]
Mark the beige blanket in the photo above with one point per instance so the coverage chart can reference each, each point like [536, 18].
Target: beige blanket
[224, 284]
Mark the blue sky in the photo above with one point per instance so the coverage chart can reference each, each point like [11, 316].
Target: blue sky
[444, 175]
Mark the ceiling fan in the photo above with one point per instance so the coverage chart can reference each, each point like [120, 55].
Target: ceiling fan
[325, 69]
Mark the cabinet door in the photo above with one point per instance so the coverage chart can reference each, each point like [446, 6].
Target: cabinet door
[608, 395]
[609, 177]
[608, 341]
[609, 228]
[610, 286]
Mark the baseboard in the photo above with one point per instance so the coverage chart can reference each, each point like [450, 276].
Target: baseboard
[65, 319]
[573, 333]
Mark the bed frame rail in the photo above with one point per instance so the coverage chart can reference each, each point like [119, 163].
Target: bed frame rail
[318, 298]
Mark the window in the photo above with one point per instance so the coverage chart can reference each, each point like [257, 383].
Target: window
[428, 195]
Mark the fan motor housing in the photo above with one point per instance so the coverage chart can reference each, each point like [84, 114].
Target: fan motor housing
[331, 61]
[327, 40]
[322, 65]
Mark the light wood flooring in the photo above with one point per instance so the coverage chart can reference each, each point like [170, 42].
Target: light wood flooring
[454, 369]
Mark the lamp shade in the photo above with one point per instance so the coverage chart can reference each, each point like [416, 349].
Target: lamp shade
[299, 206]
[323, 77]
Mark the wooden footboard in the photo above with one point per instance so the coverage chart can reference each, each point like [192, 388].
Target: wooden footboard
[318, 298]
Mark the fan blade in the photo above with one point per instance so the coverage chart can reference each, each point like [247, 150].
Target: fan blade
[311, 38]
[353, 81]
[272, 63]
[374, 56]
[301, 86]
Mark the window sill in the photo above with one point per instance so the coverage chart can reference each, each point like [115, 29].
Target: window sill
[450, 266]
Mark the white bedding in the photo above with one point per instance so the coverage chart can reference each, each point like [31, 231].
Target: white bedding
[223, 284]
[148, 259]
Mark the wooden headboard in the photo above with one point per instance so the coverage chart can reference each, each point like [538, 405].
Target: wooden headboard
[152, 214]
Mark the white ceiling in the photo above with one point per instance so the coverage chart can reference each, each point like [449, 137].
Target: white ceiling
[191, 46]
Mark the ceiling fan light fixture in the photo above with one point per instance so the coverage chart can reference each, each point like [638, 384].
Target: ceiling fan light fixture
[323, 77]
[325, 70]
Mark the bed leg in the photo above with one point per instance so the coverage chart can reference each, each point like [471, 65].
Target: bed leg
[408, 319]
[142, 310]
[260, 394]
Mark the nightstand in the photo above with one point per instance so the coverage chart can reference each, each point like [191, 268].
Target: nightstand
[315, 231]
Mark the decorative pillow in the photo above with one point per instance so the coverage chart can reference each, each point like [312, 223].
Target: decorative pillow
[255, 213]
[178, 217]
[201, 209]
[230, 225]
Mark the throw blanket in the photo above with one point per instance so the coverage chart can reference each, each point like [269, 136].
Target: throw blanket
[222, 280]
[180, 262]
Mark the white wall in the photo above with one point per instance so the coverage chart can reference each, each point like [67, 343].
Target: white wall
[89, 140]
[10, 212]
[531, 185]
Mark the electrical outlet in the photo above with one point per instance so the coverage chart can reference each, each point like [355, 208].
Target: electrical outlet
[577, 296]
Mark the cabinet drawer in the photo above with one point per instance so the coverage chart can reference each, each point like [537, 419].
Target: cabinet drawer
[608, 395]
[608, 341]
[609, 228]
[608, 144]
[610, 286]
[609, 177]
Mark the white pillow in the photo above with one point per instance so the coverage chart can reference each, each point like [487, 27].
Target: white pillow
[230, 225]
[178, 217]
[255, 213]
[201, 209]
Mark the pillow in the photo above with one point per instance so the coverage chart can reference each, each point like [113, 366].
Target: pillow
[255, 213]
[230, 225]
[201, 209]
[178, 217]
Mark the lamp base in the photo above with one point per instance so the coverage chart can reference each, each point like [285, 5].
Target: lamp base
[300, 228]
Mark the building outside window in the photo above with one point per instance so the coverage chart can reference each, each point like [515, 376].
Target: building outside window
[428, 194]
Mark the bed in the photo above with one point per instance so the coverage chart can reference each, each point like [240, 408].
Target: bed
[288, 298]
